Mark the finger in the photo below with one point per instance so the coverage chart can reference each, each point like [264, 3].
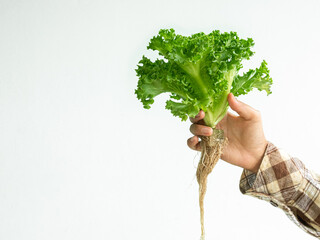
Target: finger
[194, 143]
[200, 130]
[199, 117]
[241, 108]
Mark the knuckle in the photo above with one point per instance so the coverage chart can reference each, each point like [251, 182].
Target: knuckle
[188, 143]
[192, 143]
[257, 114]
[191, 128]
[194, 128]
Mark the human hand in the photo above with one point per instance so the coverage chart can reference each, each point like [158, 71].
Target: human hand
[246, 141]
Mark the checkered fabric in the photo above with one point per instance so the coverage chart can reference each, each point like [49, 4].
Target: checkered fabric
[285, 182]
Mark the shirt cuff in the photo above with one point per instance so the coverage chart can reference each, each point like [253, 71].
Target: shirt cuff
[285, 182]
[278, 176]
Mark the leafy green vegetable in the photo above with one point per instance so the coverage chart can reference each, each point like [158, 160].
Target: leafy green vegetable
[199, 71]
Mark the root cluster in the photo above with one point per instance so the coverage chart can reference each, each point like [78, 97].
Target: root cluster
[211, 151]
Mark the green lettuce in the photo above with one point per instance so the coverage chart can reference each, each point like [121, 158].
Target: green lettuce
[199, 71]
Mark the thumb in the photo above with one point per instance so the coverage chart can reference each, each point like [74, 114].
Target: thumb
[241, 108]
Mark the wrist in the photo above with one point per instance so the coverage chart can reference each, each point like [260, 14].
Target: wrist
[258, 158]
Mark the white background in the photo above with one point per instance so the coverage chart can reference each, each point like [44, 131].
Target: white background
[81, 159]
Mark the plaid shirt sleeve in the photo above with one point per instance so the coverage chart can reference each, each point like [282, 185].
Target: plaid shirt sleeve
[284, 181]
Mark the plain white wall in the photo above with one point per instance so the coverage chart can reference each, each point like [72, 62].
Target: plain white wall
[81, 159]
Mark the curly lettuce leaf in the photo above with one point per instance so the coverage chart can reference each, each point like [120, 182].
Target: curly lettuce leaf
[199, 71]
[258, 78]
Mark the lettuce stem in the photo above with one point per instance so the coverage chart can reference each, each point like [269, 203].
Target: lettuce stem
[219, 108]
